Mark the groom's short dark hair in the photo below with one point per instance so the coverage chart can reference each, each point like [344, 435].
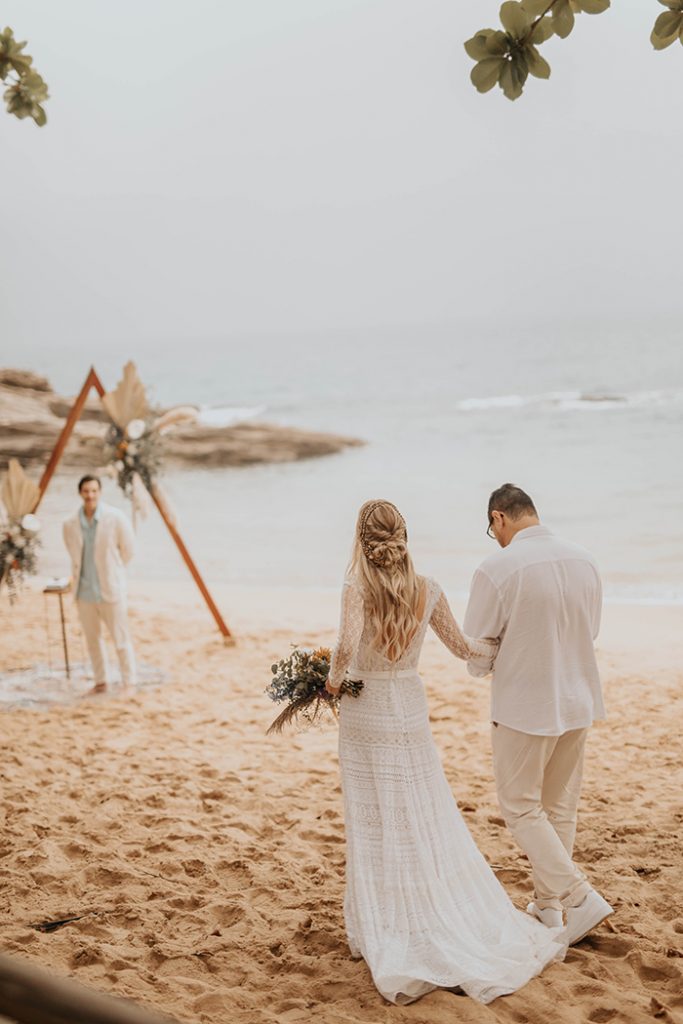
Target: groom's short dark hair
[511, 500]
[89, 479]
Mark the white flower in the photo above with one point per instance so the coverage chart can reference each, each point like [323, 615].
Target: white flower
[132, 448]
[135, 429]
[9, 559]
[20, 542]
[30, 523]
[118, 465]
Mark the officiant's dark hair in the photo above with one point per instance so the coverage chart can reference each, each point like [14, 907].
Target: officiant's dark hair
[88, 479]
[511, 500]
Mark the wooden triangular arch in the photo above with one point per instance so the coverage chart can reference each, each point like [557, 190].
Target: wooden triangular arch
[93, 381]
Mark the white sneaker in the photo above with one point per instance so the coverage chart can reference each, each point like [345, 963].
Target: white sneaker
[548, 916]
[588, 915]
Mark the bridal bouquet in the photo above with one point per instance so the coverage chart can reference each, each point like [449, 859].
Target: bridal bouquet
[299, 680]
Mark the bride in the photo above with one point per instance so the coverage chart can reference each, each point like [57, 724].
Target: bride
[422, 906]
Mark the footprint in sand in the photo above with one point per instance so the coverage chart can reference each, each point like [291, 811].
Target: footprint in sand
[227, 914]
[652, 969]
[601, 1015]
[608, 945]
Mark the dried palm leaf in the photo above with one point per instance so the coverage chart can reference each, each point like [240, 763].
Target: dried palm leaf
[128, 401]
[19, 494]
[175, 417]
[313, 706]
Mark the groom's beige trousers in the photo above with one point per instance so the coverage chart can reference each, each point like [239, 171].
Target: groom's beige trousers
[114, 616]
[538, 780]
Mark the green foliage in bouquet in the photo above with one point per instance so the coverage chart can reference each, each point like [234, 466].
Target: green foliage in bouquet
[18, 552]
[26, 90]
[300, 682]
[137, 449]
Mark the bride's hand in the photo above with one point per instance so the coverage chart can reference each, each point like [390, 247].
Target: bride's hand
[332, 690]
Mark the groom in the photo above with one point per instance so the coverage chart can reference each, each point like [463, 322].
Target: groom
[100, 542]
[541, 596]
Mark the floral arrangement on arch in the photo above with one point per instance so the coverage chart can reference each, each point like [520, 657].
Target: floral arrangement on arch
[134, 440]
[19, 529]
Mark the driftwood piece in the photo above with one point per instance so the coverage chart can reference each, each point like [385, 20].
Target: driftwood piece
[30, 995]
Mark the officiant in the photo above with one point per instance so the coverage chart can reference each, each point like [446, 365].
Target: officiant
[99, 540]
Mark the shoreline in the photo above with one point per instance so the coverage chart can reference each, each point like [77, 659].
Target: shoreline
[651, 634]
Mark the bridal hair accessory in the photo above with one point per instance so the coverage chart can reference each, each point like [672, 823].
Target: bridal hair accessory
[375, 552]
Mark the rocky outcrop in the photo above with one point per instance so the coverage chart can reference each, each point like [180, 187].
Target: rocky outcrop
[32, 415]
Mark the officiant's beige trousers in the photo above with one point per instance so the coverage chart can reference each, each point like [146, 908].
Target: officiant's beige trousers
[113, 615]
[538, 779]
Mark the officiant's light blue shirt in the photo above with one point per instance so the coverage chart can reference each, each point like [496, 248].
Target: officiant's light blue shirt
[89, 584]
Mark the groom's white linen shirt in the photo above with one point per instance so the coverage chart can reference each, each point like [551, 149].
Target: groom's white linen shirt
[542, 597]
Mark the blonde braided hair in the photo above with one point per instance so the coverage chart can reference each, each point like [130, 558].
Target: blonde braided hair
[381, 563]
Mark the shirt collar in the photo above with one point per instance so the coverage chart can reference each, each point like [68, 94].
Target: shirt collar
[95, 518]
[532, 531]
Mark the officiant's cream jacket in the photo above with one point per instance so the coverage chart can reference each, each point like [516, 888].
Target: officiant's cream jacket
[114, 547]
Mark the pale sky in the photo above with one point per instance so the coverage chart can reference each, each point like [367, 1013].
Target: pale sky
[302, 165]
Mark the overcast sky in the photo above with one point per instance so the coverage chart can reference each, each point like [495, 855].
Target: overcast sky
[215, 168]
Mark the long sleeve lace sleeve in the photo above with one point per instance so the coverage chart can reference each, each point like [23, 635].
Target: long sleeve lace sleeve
[458, 643]
[350, 632]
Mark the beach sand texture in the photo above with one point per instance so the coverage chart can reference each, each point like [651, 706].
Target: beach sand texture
[206, 861]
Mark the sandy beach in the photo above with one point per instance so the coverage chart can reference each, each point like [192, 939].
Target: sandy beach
[205, 861]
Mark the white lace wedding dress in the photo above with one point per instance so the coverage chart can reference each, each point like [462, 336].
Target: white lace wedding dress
[422, 906]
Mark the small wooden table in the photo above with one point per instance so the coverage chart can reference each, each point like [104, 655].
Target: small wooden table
[61, 587]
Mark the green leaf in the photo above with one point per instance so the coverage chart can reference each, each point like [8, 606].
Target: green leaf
[514, 18]
[23, 98]
[509, 82]
[661, 44]
[673, 5]
[538, 66]
[497, 44]
[534, 8]
[485, 74]
[668, 24]
[476, 46]
[593, 6]
[34, 86]
[520, 68]
[11, 55]
[563, 19]
[542, 31]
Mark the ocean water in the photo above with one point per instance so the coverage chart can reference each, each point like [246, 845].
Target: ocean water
[589, 421]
